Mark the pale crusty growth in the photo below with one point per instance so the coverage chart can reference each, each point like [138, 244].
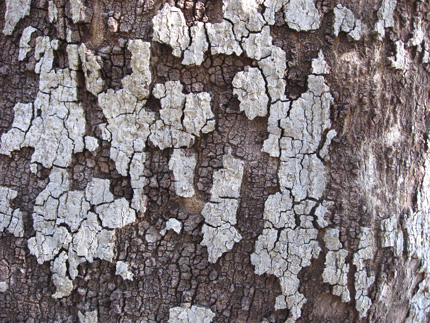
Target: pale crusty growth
[10, 219]
[68, 233]
[289, 239]
[271, 8]
[15, 11]
[386, 17]
[183, 166]
[171, 131]
[128, 123]
[302, 15]
[91, 143]
[116, 214]
[363, 279]
[194, 54]
[52, 11]
[59, 277]
[172, 102]
[170, 28]
[417, 241]
[344, 20]
[15, 137]
[138, 82]
[222, 39]
[278, 111]
[219, 235]
[273, 68]
[392, 236]
[88, 317]
[190, 313]
[319, 65]
[417, 35]
[138, 182]
[244, 15]
[24, 46]
[123, 271]
[57, 120]
[198, 115]
[400, 60]
[168, 132]
[172, 224]
[250, 88]
[4, 286]
[336, 269]
[73, 56]
[420, 303]
[258, 45]
[91, 68]
[80, 13]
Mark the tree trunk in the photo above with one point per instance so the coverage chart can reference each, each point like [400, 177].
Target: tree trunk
[214, 161]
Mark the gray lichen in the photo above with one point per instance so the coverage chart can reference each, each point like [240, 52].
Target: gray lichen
[183, 168]
[344, 20]
[190, 313]
[10, 219]
[68, 233]
[289, 239]
[219, 233]
[386, 17]
[15, 11]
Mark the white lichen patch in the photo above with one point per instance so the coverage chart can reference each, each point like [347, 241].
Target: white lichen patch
[273, 68]
[219, 233]
[15, 11]
[170, 28]
[198, 115]
[190, 313]
[271, 8]
[392, 236]
[92, 70]
[80, 13]
[364, 279]
[172, 224]
[336, 269]
[183, 167]
[258, 45]
[88, 317]
[289, 239]
[222, 39]
[244, 16]
[417, 238]
[178, 126]
[319, 65]
[418, 35]
[344, 20]
[302, 15]
[250, 88]
[194, 54]
[24, 46]
[54, 124]
[123, 271]
[400, 60]
[52, 11]
[91, 143]
[138, 82]
[385, 17]
[10, 219]
[68, 233]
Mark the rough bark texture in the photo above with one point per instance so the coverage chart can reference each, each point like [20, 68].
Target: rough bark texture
[214, 161]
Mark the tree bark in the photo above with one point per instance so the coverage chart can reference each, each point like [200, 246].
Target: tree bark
[214, 161]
